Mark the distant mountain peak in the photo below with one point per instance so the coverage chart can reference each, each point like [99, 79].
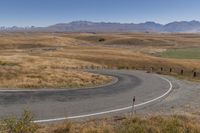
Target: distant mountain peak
[81, 23]
[150, 22]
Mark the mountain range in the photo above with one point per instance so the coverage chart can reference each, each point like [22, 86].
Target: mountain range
[86, 26]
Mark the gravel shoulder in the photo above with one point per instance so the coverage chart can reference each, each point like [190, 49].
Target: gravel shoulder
[184, 99]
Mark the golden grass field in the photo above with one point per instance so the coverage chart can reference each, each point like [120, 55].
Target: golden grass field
[44, 60]
[50, 60]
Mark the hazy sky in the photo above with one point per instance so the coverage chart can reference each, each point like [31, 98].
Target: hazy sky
[47, 12]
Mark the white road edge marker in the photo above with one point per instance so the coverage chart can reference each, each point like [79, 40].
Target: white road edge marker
[110, 111]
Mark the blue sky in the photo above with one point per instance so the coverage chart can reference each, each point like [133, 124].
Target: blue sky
[47, 12]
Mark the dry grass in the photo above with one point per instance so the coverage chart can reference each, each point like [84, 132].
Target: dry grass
[50, 78]
[44, 60]
[135, 51]
[141, 39]
[123, 58]
[22, 71]
[27, 59]
[22, 64]
[187, 123]
[153, 124]
[23, 124]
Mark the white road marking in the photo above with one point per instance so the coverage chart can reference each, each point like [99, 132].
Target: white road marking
[110, 111]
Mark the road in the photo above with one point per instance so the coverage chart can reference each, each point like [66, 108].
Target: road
[53, 105]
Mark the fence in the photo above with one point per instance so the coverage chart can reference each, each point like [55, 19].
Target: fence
[176, 71]
[161, 70]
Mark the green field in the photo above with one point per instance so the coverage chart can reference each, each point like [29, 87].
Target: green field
[186, 53]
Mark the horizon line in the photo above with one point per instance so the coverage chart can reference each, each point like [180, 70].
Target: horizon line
[29, 26]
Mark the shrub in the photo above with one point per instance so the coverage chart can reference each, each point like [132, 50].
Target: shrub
[101, 40]
[2, 63]
[19, 125]
[64, 129]
[136, 125]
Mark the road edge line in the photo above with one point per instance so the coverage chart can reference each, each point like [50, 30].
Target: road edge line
[110, 111]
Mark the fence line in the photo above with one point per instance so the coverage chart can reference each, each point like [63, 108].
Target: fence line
[162, 70]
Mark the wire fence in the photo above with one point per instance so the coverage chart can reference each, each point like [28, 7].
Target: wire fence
[160, 70]
[166, 70]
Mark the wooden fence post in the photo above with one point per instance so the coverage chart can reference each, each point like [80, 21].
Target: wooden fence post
[181, 71]
[195, 74]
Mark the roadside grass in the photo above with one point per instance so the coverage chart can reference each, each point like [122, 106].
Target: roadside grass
[137, 124]
[186, 76]
[153, 124]
[23, 124]
[186, 53]
[27, 71]
[50, 78]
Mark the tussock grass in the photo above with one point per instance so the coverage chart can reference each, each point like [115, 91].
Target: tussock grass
[38, 72]
[35, 60]
[23, 124]
[27, 59]
[22, 64]
[150, 124]
[140, 42]
[49, 78]
[153, 124]
[142, 39]
[33, 40]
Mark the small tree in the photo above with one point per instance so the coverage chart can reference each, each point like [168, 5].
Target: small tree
[101, 40]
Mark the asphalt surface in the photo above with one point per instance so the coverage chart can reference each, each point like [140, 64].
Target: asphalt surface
[50, 104]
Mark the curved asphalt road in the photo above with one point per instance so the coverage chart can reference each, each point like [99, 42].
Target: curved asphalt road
[51, 104]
